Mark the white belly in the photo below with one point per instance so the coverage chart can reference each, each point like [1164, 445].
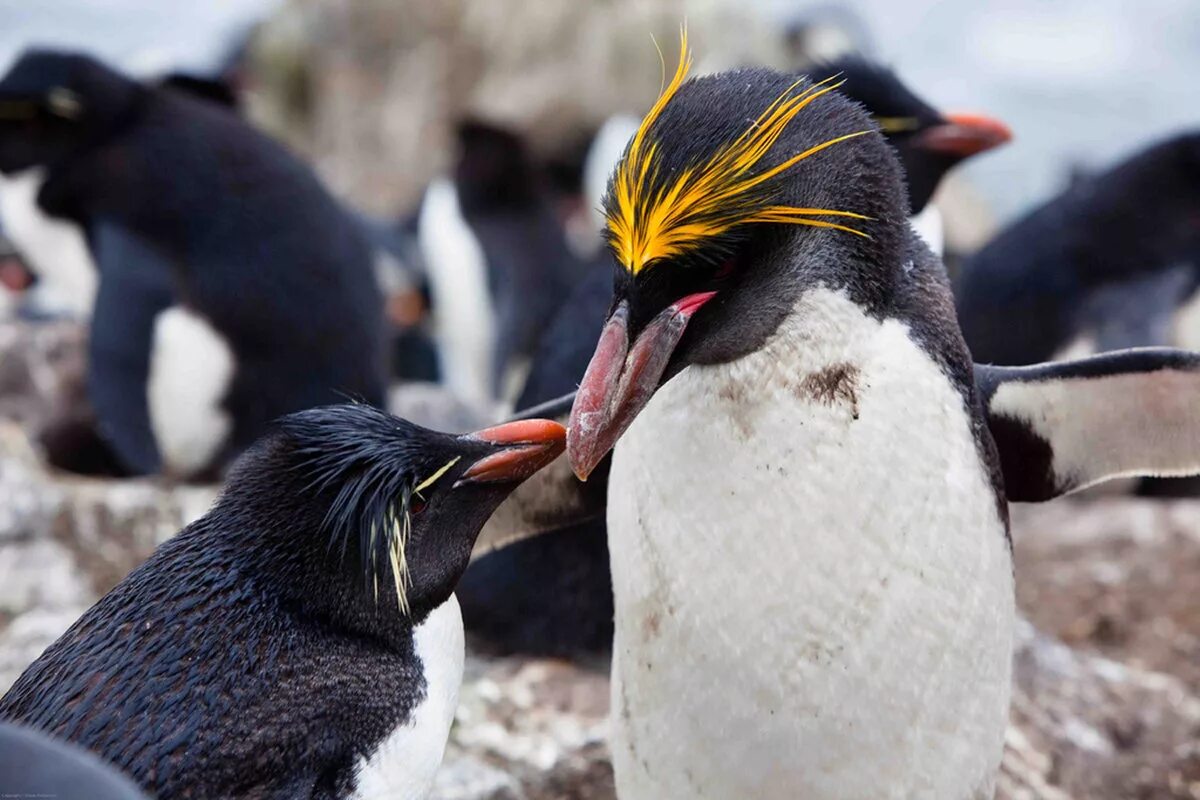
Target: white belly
[813, 588]
[405, 763]
[191, 369]
[463, 316]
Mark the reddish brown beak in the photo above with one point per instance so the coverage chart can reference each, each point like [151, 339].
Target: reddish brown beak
[528, 445]
[621, 379]
[964, 135]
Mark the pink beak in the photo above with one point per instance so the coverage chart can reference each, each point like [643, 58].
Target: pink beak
[621, 379]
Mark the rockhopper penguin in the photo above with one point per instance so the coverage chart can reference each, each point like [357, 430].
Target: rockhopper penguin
[302, 639]
[806, 511]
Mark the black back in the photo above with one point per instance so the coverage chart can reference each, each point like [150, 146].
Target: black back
[1034, 287]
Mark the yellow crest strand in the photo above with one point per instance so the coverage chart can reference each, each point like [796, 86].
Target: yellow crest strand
[647, 221]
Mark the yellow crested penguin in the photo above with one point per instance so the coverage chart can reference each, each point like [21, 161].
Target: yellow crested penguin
[807, 512]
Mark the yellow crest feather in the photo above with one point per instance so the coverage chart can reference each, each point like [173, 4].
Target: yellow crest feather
[647, 223]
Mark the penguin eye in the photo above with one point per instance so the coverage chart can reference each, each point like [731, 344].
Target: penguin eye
[416, 505]
[726, 268]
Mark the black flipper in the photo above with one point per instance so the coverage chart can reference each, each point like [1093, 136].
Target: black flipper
[135, 287]
[1064, 426]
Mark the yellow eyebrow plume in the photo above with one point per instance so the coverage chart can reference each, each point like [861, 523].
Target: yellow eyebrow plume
[648, 220]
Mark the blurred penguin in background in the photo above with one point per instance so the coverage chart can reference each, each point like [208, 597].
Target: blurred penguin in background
[250, 291]
[497, 261]
[1113, 261]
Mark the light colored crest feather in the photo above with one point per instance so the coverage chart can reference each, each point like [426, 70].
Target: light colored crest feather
[649, 219]
[398, 523]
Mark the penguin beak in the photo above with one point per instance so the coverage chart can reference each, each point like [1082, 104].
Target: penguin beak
[524, 446]
[621, 379]
[963, 135]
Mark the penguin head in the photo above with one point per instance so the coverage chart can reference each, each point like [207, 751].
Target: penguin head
[738, 192]
[53, 103]
[928, 142]
[390, 510]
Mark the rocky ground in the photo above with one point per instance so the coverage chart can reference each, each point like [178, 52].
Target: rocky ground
[1107, 700]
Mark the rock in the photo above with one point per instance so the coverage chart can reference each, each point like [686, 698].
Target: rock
[1119, 576]
[1086, 727]
[42, 372]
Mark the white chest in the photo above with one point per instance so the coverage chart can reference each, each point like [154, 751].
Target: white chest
[405, 763]
[463, 313]
[191, 370]
[813, 588]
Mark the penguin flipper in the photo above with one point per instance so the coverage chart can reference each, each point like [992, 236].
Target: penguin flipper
[553, 499]
[1064, 426]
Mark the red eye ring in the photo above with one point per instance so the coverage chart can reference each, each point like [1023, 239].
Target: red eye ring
[726, 268]
[416, 505]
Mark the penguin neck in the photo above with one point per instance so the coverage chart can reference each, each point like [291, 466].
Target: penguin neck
[290, 559]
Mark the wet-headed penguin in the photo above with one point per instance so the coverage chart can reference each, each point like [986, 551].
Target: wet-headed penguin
[301, 639]
[272, 304]
[806, 511]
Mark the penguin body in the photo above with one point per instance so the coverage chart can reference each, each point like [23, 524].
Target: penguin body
[263, 263]
[302, 638]
[840, 611]
[1132, 230]
[497, 261]
[807, 514]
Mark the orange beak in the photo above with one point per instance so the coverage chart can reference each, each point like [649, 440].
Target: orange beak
[528, 445]
[964, 135]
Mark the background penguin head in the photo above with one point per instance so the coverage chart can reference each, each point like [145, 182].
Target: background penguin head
[739, 191]
[928, 142]
[52, 103]
[388, 510]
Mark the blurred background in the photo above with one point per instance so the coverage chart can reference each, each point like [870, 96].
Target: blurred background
[391, 102]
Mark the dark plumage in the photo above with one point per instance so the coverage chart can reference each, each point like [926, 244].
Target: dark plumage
[928, 142]
[243, 233]
[1112, 256]
[268, 647]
